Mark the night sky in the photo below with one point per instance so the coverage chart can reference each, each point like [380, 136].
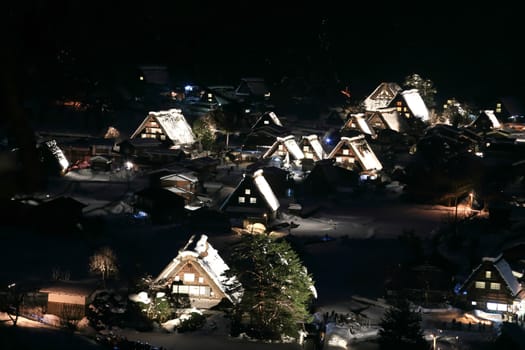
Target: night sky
[469, 53]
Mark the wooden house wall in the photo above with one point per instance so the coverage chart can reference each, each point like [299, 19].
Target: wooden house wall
[202, 279]
[503, 295]
[401, 107]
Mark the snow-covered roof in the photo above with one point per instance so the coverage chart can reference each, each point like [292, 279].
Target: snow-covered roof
[362, 124]
[365, 155]
[265, 189]
[208, 258]
[416, 104]
[57, 153]
[381, 97]
[505, 271]
[182, 176]
[174, 125]
[313, 140]
[503, 268]
[289, 143]
[261, 185]
[392, 119]
[273, 118]
[493, 119]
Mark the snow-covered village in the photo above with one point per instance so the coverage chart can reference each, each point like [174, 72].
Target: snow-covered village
[282, 196]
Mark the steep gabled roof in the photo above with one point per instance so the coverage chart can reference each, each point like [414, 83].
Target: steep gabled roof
[416, 104]
[490, 116]
[208, 258]
[365, 156]
[289, 143]
[503, 268]
[361, 123]
[382, 96]
[313, 140]
[252, 86]
[261, 185]
[172, 123]
[392, 119]
[271, 117]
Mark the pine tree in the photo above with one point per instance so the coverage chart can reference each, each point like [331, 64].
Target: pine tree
[277, 288]
[401, 329]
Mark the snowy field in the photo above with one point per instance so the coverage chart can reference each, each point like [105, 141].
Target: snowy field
[348, 248]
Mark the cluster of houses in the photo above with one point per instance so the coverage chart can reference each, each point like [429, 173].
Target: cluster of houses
[183, 180]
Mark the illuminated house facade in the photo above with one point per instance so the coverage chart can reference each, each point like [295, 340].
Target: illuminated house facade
[382, 96]
[184, 184]
[410, 104]
[493, 287]
[407, 103]
[286, 148]
[167, 125]
[252, 198]
[386, 119]
[354, 153]
[198, 273]
[68, 298]
[312, 147]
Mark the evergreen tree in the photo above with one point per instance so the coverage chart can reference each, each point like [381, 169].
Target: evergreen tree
[203, 128]
[401, 329]
[277, 288]
[424, 86]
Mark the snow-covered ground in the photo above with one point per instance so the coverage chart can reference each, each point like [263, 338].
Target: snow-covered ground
[348, 248]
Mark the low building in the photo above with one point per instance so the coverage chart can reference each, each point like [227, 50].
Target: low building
[198, 273]
[69, 299]
[492, 287]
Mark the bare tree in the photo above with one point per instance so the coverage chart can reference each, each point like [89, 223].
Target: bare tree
[11, 300]
[103, 262]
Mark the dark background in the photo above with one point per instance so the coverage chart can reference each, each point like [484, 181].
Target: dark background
[469, 52]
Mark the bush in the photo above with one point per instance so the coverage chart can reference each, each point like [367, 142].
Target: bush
[196, 321]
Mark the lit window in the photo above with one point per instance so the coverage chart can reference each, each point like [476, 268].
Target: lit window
[201, 279]
[253, 200]
[182, 289]
[266, 122]
[480, 284]
[498, 110]
[247, 191]
[241, 200]
[345, 152]
[405, 109]
[189, 277]
[399, 109]
[495, 286]
[306, 149]
[399, 103]
[474, 303]
[498, 105]
[177, 278]
[488, 274]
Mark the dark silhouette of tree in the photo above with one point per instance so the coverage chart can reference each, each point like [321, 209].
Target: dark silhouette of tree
[277, 289]
[401, 328]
